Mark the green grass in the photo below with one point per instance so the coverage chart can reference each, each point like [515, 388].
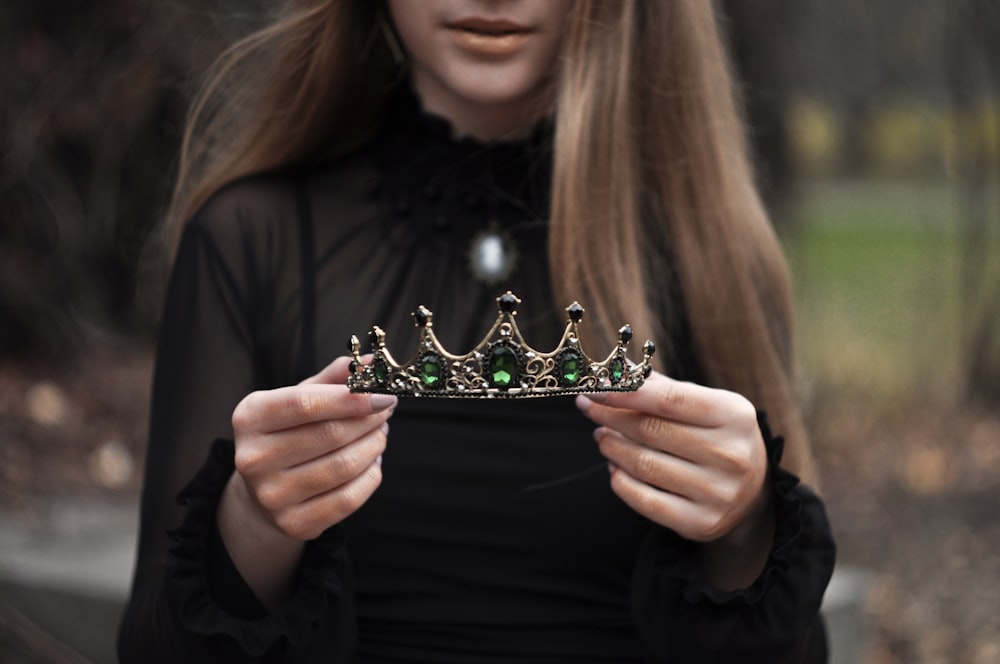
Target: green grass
[876, 270]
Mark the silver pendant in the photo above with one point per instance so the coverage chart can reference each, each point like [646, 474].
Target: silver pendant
[492, 255]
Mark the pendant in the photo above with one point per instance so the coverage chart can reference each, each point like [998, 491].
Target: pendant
[492, 255]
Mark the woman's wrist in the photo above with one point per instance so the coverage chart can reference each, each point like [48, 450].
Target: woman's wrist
[736, 560]
[265, 557]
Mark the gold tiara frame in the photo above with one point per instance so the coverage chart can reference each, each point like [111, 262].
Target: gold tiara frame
[501, 366]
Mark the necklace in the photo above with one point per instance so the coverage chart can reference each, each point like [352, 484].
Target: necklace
[492, 255]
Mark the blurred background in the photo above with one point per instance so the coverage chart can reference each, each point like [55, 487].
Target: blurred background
[876, 127]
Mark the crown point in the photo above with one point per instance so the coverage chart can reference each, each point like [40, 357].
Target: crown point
[575, 312]
[422, 316]
[649, 349]
[508, 302]
[625, 334]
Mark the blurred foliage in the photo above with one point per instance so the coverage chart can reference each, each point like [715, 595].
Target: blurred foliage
[93, 99]
[905, 140]
[973, 60]
[89, 118]
[760, 38]
[909, 89]
[876, 268]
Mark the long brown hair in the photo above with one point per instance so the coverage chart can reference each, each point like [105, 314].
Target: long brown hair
[653, 198]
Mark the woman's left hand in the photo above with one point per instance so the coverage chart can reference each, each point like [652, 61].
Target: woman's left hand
[688, 457]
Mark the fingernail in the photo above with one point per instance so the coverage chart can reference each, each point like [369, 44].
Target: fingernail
[611, 468]
[583, 403]
[382, 401]
[599, 397]
[379, 460]
[384, 428]
[599, 433]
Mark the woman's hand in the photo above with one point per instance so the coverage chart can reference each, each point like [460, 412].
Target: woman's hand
[692, 459]
[307, 457]
[310, 454]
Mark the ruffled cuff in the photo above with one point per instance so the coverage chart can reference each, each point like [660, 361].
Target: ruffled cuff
[320, 606]
[682, 617]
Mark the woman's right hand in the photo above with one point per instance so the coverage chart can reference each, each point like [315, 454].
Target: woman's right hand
[307, 457]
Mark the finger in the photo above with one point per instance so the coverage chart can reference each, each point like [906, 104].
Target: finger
[676, 400]
[299, 445]
[654, 467]
[332, 470]
[667, 509]
[312, 517]
[288, 407]
[684, 441]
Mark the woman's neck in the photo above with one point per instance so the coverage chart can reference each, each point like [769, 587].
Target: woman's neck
[484, 121]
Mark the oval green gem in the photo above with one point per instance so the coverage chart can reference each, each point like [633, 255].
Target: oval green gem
[569, 367]
[617, 369]
[502, 366]
[430, 370]
[381, 371]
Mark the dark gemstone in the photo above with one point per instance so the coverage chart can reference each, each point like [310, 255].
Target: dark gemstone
[381, 370]
[570, 367]
[575, 312]
[508, 302]
[431, 370]
[373, 338]
[422, 315]
[649, 348]
[502, 367]
[617, 370]
[625, 334]
[353, 367]
[647, 371]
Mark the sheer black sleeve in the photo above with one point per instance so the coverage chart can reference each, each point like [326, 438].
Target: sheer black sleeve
[188, 603]
[682, 618]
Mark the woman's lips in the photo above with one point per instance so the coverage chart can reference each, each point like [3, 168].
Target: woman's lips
[489, 36]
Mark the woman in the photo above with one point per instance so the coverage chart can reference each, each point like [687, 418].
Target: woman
[334, 178]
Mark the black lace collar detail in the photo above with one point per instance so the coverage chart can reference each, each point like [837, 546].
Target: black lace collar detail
[447, 185]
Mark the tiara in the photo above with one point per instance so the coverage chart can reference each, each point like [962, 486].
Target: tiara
[501, 366]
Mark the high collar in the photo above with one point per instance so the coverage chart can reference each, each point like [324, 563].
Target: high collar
[426, 172]
[405, 111]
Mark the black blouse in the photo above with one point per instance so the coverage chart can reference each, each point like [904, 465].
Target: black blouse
[495, 535]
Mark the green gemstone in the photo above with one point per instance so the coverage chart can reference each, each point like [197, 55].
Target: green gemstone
[569, 367]
[617, 369]
[430, 370]
[381, 371]
[502, 366]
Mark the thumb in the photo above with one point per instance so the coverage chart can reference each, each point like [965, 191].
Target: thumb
[335, 373]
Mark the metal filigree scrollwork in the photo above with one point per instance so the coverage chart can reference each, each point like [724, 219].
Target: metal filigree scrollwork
[502, 366]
